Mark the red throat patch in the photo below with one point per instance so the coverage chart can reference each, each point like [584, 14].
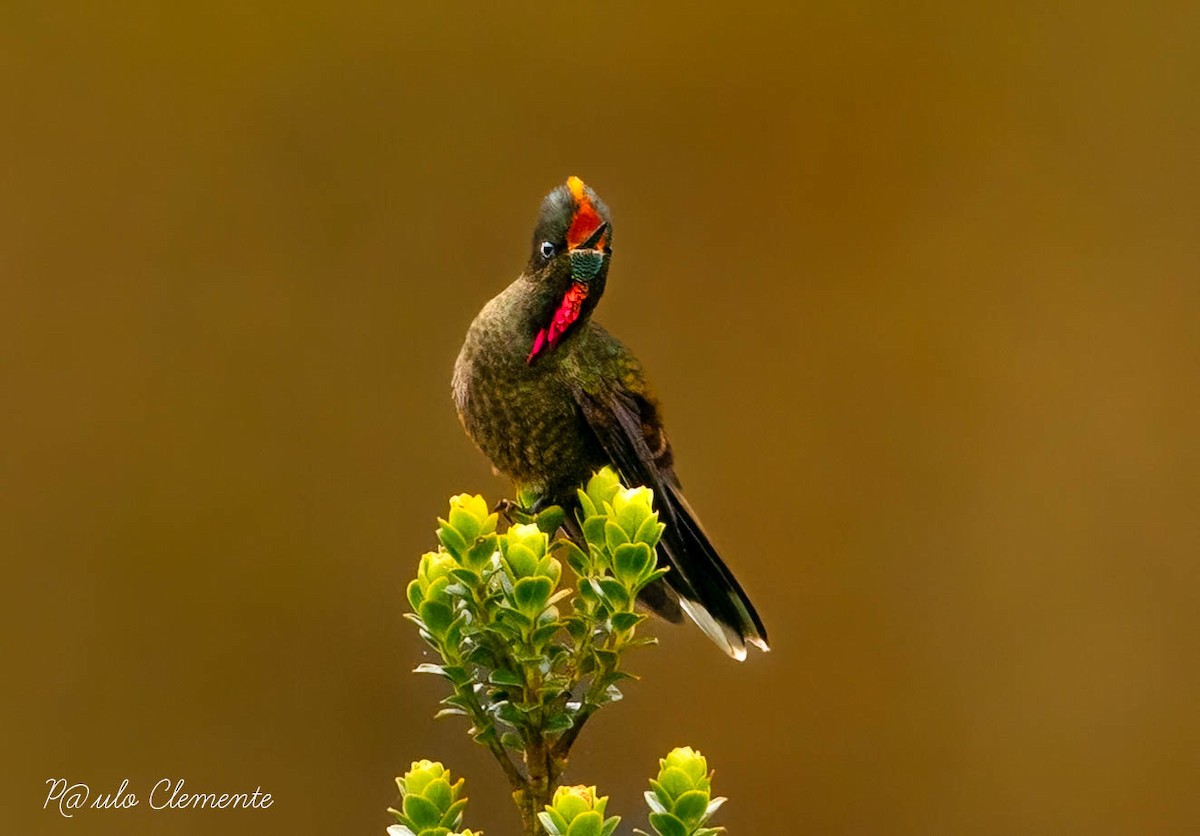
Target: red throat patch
[586, 219]
[564, 317]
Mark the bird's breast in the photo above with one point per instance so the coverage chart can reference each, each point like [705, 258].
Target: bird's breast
[523, 416]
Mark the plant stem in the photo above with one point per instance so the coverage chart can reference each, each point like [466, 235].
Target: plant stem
[591, 703]
[481, 720]
[510, 769]
[535, 795]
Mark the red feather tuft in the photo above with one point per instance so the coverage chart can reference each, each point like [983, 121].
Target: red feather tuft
[564, 318]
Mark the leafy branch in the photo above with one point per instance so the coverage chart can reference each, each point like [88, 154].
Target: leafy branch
[530, 657]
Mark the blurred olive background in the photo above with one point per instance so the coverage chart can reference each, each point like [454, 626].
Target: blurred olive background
[918, 285]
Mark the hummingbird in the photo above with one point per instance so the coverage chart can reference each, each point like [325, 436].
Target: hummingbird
[549, 396]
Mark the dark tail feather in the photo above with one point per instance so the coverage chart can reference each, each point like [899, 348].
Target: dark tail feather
[699, 583]
[708, 591]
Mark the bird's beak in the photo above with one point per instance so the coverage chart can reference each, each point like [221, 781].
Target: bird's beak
[588, 257]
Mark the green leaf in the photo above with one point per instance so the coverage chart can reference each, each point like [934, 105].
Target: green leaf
[530, 658]
[631, 561]
[652, 577]
[613, 677]
[481, 655]
[421, 811]
[553, 822]
[587, 508]
[458, 700]
[575, 556]
[593, 530]
[451, 539]
[436, 590]
[453, 635]
[630, 516]
[690, 762]
[593, 584]
[614, 535]
[691, 806]
[417, 778]
[546, 632]
[607, 658]
[474, 504]
[484, 736]
[508, 617]
[570, 802]
[557, 723]
[469, 578]
[549, 567]
[439, 793]
[557, 683]
[665, 798]
[649, 531]
[464, 523]
[509, 713]
[623, 621]
[414, 595]
[614, 593]
[507, 677]
[575, 626]
[531, 594]
[603, 486]
[452, 818]
[521, 560]
[437, 616]
[667, 825]
[675, 781]
[586, 824]
[551, 519]
[478, 555]
[458, 674]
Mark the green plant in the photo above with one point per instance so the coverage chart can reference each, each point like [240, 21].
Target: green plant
[430, 804]
[680, 798]
[530, 656]
[577, 811]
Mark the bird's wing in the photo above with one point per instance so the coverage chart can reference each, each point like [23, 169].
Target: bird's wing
[625, 420]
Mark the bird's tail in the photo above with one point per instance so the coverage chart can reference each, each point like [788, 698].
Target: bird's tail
[708, 592]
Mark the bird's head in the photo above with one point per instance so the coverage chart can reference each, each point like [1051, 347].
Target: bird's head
[569, 263]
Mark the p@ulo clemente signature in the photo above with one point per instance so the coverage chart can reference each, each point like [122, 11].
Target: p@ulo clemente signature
[166, 794]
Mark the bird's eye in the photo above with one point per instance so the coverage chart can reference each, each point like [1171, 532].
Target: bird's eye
[547, 249]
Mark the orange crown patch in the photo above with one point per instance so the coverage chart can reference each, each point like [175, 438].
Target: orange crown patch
[586, 219]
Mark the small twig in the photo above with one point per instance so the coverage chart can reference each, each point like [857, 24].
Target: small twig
[481, 719]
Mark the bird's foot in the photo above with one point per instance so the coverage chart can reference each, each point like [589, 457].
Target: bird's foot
[546, 517]
[514, 513]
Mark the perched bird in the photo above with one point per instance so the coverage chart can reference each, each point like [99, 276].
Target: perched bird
[549, 396]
